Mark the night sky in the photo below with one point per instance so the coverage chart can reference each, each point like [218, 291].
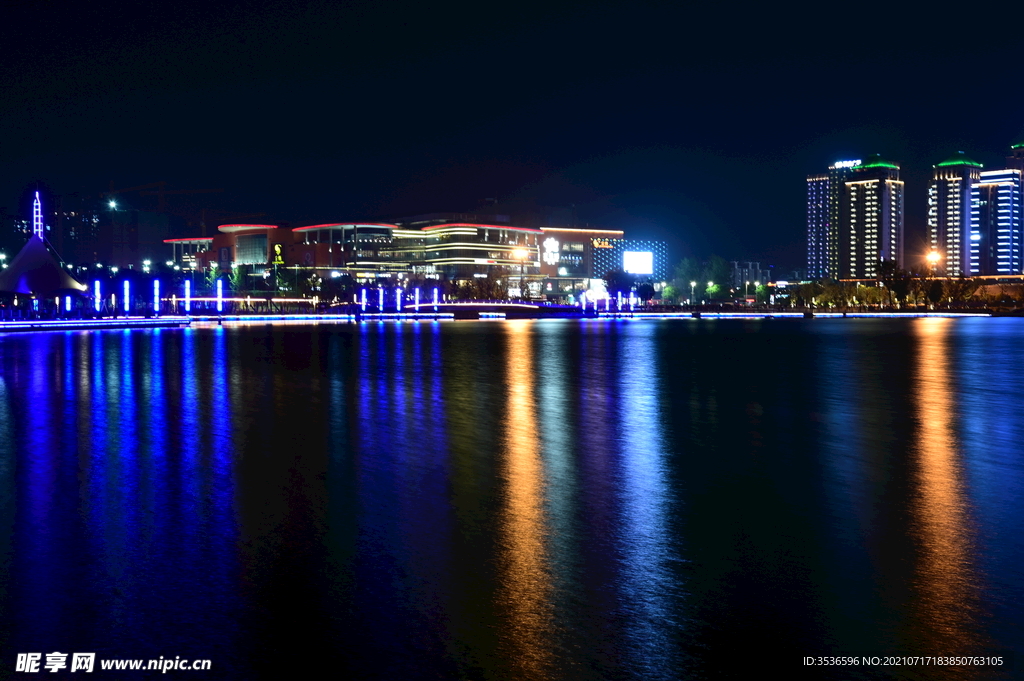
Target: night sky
[696, 124]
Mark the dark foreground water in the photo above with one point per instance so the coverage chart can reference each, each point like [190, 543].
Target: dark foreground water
[504, 500]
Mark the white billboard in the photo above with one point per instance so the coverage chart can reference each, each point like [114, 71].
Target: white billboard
[638, 262]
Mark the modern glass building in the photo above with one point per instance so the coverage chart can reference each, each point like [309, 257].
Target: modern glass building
[817, 226]
[824, 209]
[553, 262]
[872, 219]
[996, 240]
[949, 211]
[460, 251]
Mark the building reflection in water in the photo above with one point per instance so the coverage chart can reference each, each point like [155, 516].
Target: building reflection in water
[648, 587]
[944, 576]
[525, 589]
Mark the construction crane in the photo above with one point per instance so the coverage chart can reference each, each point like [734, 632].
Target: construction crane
[114, 192]
[161, 192]
[226, 217]
[162, 202]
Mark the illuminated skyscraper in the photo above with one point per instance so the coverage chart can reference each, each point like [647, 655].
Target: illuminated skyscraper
[824, 208]
[872, 219]
[949, 211]
[996, 239]
[817, 226]
[1016, 157]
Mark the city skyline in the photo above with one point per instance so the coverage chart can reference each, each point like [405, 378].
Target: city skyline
[954, 187]
[855, 218]
[357, 111]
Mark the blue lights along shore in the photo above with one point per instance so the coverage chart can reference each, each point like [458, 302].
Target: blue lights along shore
[170, 321]
[781, 315]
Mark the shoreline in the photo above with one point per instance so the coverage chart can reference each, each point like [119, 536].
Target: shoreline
[179, 321]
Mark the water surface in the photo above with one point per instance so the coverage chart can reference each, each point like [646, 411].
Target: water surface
[650, 499]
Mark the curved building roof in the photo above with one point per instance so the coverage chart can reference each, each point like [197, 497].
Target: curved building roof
[228, 229]
[959, 159]
[473, 224]
[876, 161]
[344, 225]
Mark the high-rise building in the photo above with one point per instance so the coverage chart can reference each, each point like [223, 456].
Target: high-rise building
[996, 239]
[949, 211]
[872, 219]
[824, 209]
[817, 226]
[1016, 157]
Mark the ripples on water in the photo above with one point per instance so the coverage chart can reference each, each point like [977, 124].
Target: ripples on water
[559, 499]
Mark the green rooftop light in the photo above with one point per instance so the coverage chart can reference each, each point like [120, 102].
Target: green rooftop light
[876, 161]
[959, 159]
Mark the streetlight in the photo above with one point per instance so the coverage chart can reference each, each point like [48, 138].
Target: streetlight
[746, 289]
[521, 254]
[693, 285]
[710, 284]
[933, 259]
[112, 203]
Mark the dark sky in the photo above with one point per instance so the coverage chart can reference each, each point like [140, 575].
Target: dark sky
[695, 123]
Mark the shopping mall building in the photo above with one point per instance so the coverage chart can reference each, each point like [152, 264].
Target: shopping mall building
[552, 262]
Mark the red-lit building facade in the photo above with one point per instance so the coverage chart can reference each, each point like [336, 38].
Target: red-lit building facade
[369, 250]
[550, 262]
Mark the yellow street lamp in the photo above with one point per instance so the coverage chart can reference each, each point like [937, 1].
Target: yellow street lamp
[521, 254]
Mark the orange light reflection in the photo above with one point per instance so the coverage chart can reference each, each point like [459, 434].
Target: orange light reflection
[943, 576]
[525, 590]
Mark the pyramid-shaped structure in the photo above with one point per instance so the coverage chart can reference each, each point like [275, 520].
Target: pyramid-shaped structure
[34, 271]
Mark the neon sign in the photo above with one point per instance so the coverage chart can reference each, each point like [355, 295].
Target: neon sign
[551, 251]
[37, 217]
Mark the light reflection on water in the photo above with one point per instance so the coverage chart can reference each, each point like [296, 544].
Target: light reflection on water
[522, 499]
[945, 576]
[649, 588]
[525, 586]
